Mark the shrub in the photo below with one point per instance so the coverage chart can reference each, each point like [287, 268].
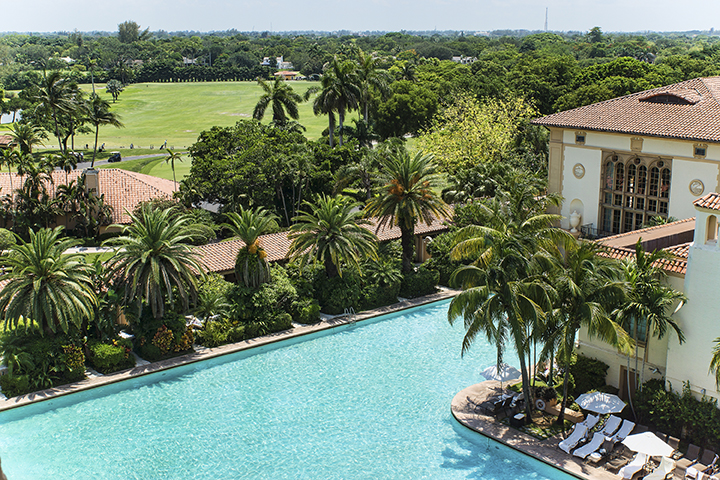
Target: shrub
[7, 239]
[306, 311]
[439, 249]
[546, 393]
[378, 295]
[588, 373]
[419, 283]
[109, 358]
[220, 332]
[337, 294]
[265, 302]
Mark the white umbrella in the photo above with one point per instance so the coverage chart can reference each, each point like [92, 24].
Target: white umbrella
[649, 444]
[600, 402]
[506, 373]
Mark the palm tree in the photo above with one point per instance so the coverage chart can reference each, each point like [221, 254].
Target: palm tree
[27, 135]
[66, 162]
[586, 287]
[8, 157]
[406, 197]
[329, 231]
[46, 284]
[56, 97]
[371, 77]
[99, 114]
[715, 362]
[251, 266]
[339, 92]
[282, 98]
[648, 302]
[172, 156]
[154, 261]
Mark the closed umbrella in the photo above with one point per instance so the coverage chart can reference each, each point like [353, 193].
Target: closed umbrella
[649, 444]
[600, 402]
[505, 374]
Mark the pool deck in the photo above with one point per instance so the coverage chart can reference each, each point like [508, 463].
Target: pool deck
[203, 353]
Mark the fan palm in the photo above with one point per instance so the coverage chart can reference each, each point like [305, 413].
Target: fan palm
[329, 231]
[155, 262]
[99, 114]
[46, 284]
[251, 266]
[283, 99]
[407, 197]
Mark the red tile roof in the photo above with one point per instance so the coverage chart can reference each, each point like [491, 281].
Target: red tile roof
[693, 115]
[711, 201]
[220, 257]
[676, 265]
[680, 250]
[628, 239]
[6, 140]
[123, 189]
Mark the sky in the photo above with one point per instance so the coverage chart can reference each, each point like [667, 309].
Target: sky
[361, 15]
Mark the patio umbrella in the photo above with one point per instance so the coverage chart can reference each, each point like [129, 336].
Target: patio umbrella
[505, 374]
[649, 444]
[600, 402]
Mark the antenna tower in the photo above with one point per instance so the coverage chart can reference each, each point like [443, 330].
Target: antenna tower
[546, 12]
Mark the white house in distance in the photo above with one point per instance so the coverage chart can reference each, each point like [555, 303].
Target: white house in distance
[620, 162]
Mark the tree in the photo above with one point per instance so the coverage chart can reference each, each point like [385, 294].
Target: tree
[56, 95]
[329, 231]
[8, 157]
[114, 87]
[371, 78]
[129, 32]
[65, 162]
[46, 284]
[27, 135]
[406, 197]
[172, 156]
[339, 92]
[282, 98]
[155, 262]
[251, 265]
[99, 114]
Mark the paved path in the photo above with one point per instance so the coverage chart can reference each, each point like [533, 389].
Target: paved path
[104, 162]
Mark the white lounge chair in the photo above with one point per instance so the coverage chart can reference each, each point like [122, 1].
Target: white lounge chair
[637, 463]
[665, 469]
[590, 447]
[577, 434]
[590, 421]
[611, 425]
[624, 431]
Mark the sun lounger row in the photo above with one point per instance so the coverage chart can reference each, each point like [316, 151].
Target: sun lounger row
[609, 432]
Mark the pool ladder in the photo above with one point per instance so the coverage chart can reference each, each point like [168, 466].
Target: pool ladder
[349, 313]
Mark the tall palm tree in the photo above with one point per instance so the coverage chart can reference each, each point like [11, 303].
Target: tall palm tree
[407, 196]
[251, 266]
[648, 303]
[99, 114]
[46, 284]
[155, 262]
[8, 157]
[586, 288]
[172, 156]
[55, 96]
[329, 231]
[27, 135]
[339, 92]
[66, 162]
[371, 78]
[283, 99]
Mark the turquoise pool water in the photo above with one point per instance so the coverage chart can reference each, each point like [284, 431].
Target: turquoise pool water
[369, 401]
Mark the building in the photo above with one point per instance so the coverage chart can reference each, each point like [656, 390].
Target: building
[617, 164]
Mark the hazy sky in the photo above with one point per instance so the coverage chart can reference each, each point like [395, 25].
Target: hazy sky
[360, 15]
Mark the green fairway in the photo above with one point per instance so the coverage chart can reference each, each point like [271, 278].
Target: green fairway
[157, 167]
[178, 112]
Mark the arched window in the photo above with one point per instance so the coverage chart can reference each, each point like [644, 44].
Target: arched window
[711, 230]
[634, 189]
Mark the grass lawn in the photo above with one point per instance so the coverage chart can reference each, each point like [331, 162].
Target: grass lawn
[178, 112]
[157, 167]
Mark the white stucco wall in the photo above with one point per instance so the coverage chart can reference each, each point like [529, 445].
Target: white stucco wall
[683, 172]
[700, 320]
[584, 189]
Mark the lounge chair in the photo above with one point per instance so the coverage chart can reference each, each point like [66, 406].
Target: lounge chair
[590, 421]
[624, 430]
[704, 466]
[591, 446]
[675, 444]
[691, 457]
[637, 463]
[610, 426]
[577, 434]
[663, 471]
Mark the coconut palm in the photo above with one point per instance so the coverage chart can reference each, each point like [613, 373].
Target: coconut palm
[55, 96]
[283, 99]
[586, 287]
[646, 310]
[407, 196]
[172, 156]
[8, 157]
[66, 162]
[46, 284]
[155, 262]
[339, 92]
[371, 78]
[251, 266]
[99, 114]
[27, 135]
[329, 231]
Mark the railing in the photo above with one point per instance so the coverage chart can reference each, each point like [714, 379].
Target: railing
[592, 233]
[349, 313]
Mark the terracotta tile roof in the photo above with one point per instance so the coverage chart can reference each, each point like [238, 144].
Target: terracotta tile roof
[220, 257]
[122, 189]
[680, 250]
[677, 265]
[688, 110]
[6, 140]
[711, 201]
[650, 233]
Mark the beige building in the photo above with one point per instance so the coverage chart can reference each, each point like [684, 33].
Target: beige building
[620, 162]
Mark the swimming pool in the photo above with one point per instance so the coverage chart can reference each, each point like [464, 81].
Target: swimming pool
[365, 401]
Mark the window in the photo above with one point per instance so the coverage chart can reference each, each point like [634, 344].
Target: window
[641, 331]
[580, 138]
[699, 150]
[633, 190]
